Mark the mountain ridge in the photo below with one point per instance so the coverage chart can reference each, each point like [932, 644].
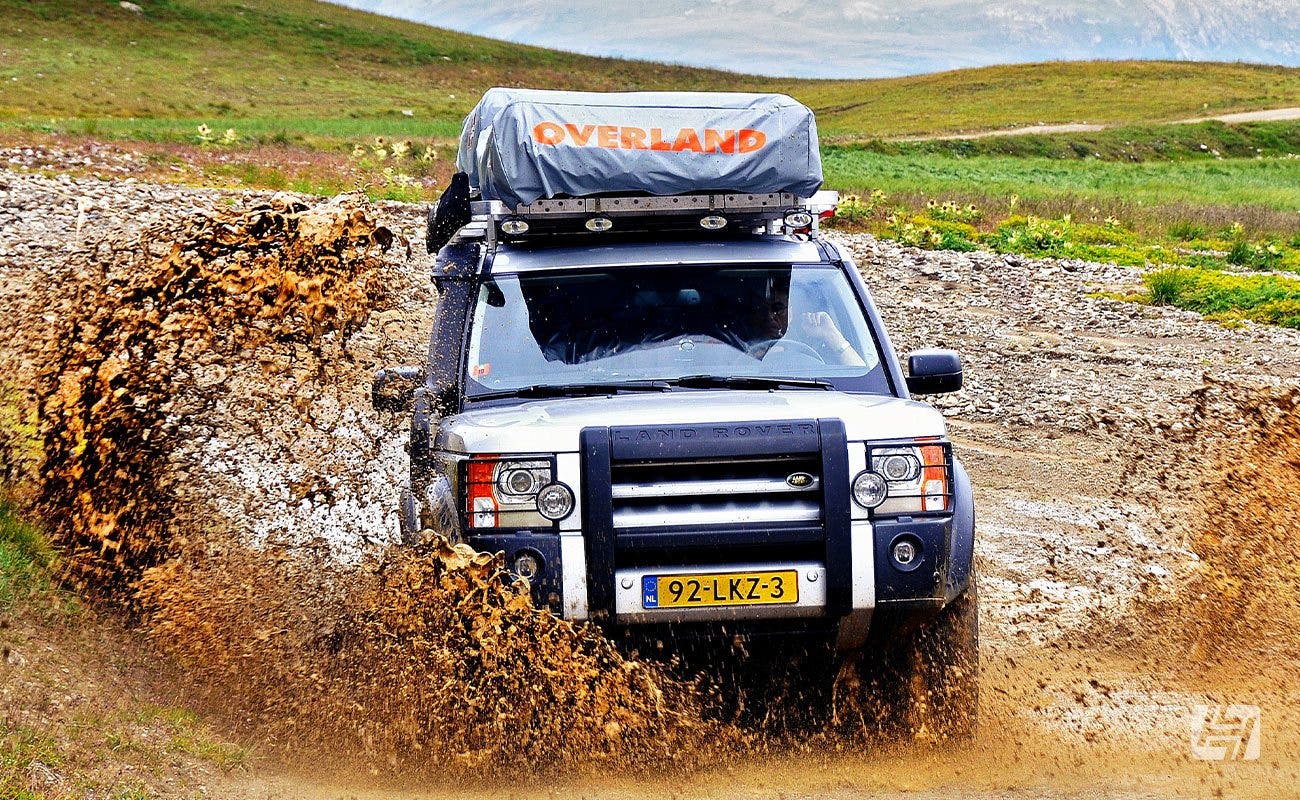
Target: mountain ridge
[843, 39]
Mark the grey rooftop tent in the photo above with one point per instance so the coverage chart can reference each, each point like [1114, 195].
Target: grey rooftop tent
[521, 145]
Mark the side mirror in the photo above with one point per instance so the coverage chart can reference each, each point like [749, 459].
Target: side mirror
[933, 371]
[394, 388]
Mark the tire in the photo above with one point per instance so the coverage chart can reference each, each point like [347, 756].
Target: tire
[787, 687]
[919, 681]
[776, 685]
[408, 518]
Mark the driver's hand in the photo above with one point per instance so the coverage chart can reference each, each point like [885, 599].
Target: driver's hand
[819, 327]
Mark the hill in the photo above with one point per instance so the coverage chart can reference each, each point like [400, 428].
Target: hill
[291, 64]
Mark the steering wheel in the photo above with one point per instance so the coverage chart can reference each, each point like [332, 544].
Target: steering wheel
[788, 347]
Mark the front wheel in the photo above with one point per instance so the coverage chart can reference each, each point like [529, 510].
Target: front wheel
[920, 679]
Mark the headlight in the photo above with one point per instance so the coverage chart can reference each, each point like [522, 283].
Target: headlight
[502, 492]
[899, 467]
[522, 479]
[918, 476]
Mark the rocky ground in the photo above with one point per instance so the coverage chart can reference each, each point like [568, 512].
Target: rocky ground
[1074, 410]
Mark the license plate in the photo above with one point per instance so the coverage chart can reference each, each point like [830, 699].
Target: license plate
[720, 589]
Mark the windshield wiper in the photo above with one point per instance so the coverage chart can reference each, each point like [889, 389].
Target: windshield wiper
[574, 389]
[748, 382]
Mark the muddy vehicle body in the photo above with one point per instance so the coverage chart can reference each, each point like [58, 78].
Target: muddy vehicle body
[681, 418]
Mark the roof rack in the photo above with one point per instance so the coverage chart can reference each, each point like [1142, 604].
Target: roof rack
[722, 213]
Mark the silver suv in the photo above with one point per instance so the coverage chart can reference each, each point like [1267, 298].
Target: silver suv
[685, 435]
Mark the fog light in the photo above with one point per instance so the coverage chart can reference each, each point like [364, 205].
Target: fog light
[599, 224]
[798, 219]
[869, 489]
[555, 501]
[527, 565]
[514, 226]
[905, 552]
[713, 222]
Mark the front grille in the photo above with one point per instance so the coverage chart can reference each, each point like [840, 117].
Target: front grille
[728, 493]
[757, 491]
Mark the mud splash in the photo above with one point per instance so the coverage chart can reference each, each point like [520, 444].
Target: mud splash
[1230, 472]
[407, 660]
[432, 661]
[145, 318]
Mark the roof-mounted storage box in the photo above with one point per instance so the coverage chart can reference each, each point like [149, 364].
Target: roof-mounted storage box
[522, 145]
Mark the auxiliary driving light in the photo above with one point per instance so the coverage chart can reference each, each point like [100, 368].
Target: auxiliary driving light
[713, 222]
[798, 219]
[527, 565]
[555, 501]
[599, 224]
[904, 552]
[869, 489]
[514, 226]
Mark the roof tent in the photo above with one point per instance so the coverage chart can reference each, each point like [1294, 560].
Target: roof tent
[523, 145]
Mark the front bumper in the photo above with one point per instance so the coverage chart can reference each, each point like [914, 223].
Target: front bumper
[593, 569]
[876, 582]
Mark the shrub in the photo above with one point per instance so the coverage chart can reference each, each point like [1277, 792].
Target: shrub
[853, 211]
[1185, 231]
[1166, 286]
[1262, 256]
[1031, 235]
[1239, 253]
[1227, 297]
[932, 234]
[948, 211]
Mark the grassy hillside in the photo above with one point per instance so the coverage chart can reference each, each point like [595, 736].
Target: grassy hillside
[1107, 92]
[272, 65]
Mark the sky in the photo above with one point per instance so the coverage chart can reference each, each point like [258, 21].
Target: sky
[875, 38]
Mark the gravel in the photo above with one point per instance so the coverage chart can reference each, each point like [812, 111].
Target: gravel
[1039, 350]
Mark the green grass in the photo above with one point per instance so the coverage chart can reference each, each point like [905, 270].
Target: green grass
[989, 98]
[1191, 267]
[189, 736]
[316, 133]
[26, 558]
[1228, 297]
[1007, 226]
[21, 748]
[1273, 182]
[1169, 142]
[268, 64]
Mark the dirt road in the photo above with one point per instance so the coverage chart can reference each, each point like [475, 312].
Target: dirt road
[1097, 449]
[1268, 115]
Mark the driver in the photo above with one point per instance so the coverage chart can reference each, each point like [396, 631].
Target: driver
[781, 332]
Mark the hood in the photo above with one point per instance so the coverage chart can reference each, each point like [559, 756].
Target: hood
[553, 425]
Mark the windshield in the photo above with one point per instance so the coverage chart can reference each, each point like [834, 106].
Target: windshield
[662, 323]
